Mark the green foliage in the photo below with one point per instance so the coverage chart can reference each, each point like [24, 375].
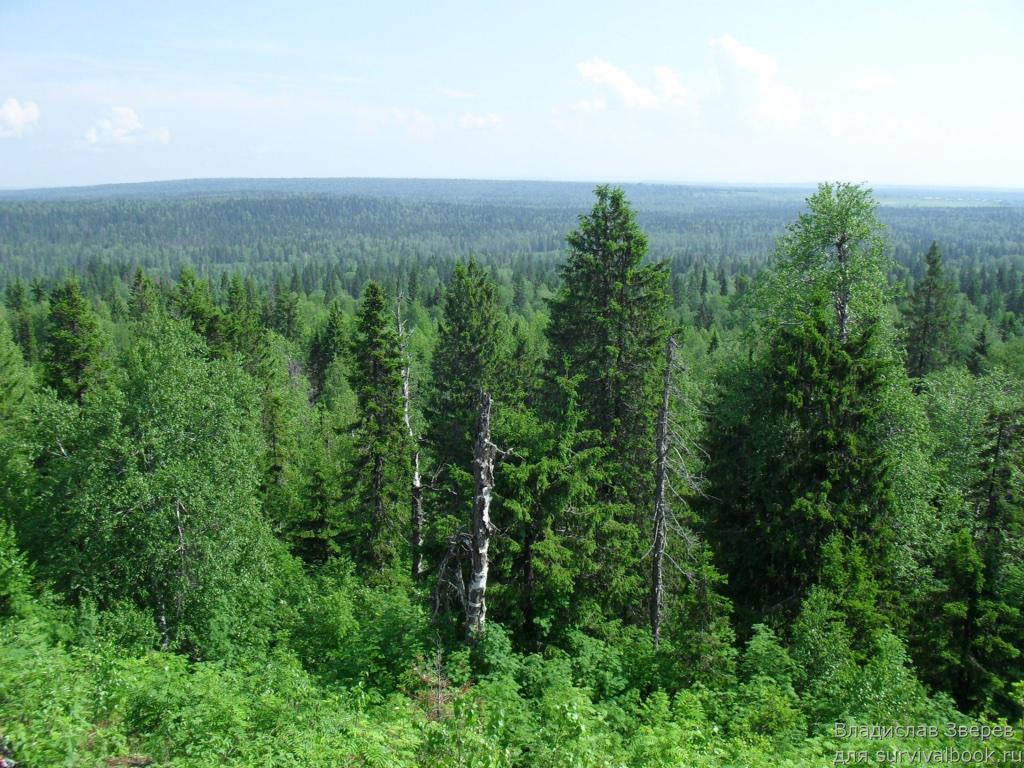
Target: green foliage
[833, 254]
[141, 496]
[811, 420]
[375, 532]
[465, 361]
[930, 330]
[867, 527]
[73, 343]
[608, 326]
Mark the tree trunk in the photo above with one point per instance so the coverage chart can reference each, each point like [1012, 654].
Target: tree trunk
[661, 500]
[418, 519]
[529, 580]
[842, 298]
[484, 455]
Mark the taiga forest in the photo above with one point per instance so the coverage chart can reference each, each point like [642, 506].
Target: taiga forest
[369, 472]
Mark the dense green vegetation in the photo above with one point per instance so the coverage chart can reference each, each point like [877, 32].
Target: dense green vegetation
[398, 479]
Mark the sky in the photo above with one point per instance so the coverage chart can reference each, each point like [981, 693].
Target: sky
[909, 92]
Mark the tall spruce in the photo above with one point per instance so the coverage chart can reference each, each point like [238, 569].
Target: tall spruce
[381, 468]
[465, 362]
[796, 458]
[14, 378]
[609, 326]
[929, 319]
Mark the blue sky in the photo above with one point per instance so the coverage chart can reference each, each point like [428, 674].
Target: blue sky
[886, 92]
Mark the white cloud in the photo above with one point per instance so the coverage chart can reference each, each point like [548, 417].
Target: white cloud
[123, 127]
[873, 81]
[773, 103]
[670, 89]
[746, 58]
[17, 119]
[417, 124]
[376, 120]
[590, 105]
[489, 120]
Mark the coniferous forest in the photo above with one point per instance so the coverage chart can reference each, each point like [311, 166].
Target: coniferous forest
[500, 474]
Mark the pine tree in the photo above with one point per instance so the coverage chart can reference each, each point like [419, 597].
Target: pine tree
[74, 343]
[929, 319]
[381, 469]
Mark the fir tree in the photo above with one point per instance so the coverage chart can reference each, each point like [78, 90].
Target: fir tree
[14, 379]
[978, 356]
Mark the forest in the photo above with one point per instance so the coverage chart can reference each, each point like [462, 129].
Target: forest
[415, 473]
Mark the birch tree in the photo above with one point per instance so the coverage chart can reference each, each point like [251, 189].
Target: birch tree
[834, 252]
[418, 516]
[481, 529]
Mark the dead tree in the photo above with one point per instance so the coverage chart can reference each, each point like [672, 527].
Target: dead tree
[677, 452]
[418, 519]
[484, 454]
[661, 499]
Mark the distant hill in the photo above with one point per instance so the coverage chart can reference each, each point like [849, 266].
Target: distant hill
[540, 193]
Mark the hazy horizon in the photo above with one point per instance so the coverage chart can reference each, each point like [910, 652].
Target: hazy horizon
[796, 185]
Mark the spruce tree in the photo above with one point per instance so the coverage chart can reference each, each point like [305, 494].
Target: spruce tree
[978, 357]
[329, 343]
[74, 343]
[14, 378]
[285, 314]
[796, 458]
[607, 330]
[381, 471]
[929, 319]
[465, 361]
[608, 326]
[240, 321]
[144, 299]
[192, 300]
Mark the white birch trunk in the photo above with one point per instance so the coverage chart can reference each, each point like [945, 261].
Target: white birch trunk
[484, 455]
